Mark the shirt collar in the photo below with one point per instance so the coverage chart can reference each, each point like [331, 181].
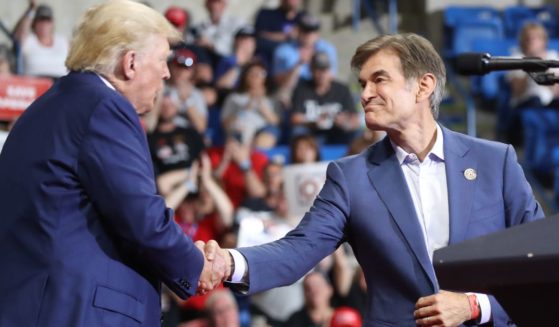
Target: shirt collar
[106, 82]
[437, 150]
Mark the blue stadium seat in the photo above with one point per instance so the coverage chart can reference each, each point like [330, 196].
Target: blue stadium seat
[514, 17]
[541, 137]
[327, 152]
[465, 24]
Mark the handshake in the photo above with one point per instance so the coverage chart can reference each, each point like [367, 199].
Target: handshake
[217, 266]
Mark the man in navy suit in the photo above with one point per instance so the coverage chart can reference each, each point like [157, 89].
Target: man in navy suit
[421, 188]
[84, 238]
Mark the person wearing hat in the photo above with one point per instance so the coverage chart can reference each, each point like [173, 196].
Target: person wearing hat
[323, 106]
[193, 110]
[292, 59]
[229, 68]
[216, 34]
[42, 50]
[179, 18]
[276, 25]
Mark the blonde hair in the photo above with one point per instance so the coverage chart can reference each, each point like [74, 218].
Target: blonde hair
[105, 32]
[417, 57]
[525, 33]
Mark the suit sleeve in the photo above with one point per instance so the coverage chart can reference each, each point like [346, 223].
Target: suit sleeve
[319, 234]
[520, 204]
[115, 169]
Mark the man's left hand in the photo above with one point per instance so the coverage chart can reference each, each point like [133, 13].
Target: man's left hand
[442, 309]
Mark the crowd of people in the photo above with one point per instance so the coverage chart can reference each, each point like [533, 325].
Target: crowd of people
[236, 89]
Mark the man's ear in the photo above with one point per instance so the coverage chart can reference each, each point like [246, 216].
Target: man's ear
[129, 64]
[427, 84]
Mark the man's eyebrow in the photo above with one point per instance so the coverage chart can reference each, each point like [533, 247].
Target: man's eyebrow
[376, 73]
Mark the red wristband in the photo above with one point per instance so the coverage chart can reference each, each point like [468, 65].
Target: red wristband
[474, 307]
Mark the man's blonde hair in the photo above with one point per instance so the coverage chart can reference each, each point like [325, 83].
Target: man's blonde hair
[417, 57]
[105, 32]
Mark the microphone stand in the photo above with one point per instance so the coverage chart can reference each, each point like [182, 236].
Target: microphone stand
[544, 78]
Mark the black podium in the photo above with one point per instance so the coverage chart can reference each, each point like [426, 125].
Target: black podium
[519, 266]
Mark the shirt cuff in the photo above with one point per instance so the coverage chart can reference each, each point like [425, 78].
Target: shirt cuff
[485, 307]
[240, 266]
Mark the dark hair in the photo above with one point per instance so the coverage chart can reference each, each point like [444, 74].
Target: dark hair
[303, 138]
[243, 78]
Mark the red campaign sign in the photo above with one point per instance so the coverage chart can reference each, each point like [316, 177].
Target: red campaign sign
[18, 92]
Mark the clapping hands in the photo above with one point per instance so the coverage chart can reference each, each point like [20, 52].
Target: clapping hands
[217, 266]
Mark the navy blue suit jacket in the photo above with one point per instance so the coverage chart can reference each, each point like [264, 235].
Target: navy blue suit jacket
[366, 202]
[84, 238]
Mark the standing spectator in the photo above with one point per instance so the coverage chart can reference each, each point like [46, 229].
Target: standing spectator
[292, 59]
[250, 110]
[216, 34]
[323, 106]
[43, 51]
[229, 68]
[274, 26]
[6, 60]
[192, 106]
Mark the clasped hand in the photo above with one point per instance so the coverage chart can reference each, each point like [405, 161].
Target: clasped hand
[217, 266]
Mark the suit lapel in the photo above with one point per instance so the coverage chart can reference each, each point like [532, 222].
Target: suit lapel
[460, 190]
[389, 182]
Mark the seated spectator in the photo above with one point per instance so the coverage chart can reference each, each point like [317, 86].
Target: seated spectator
[266, 219]
[275, 26]
[304, 149]
[222, 309]
[43, 52]
[292, 59]
[229, 68]
[206, 213]
[181, 88]
[174, 149]
[178, 17]
[323, 106]
[525, 92]
[250, 110]
[239, 168]
[6, 60]
[317, 311]
[216, 34]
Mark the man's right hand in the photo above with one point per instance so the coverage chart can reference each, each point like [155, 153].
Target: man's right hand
[217, 266]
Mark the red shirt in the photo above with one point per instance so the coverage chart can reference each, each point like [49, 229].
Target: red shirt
[233, 178]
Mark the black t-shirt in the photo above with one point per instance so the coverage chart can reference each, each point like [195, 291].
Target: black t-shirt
[312, 105]
[176, 149]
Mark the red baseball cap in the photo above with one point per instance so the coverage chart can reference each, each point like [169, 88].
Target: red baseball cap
[346, 317]
[177, 16]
